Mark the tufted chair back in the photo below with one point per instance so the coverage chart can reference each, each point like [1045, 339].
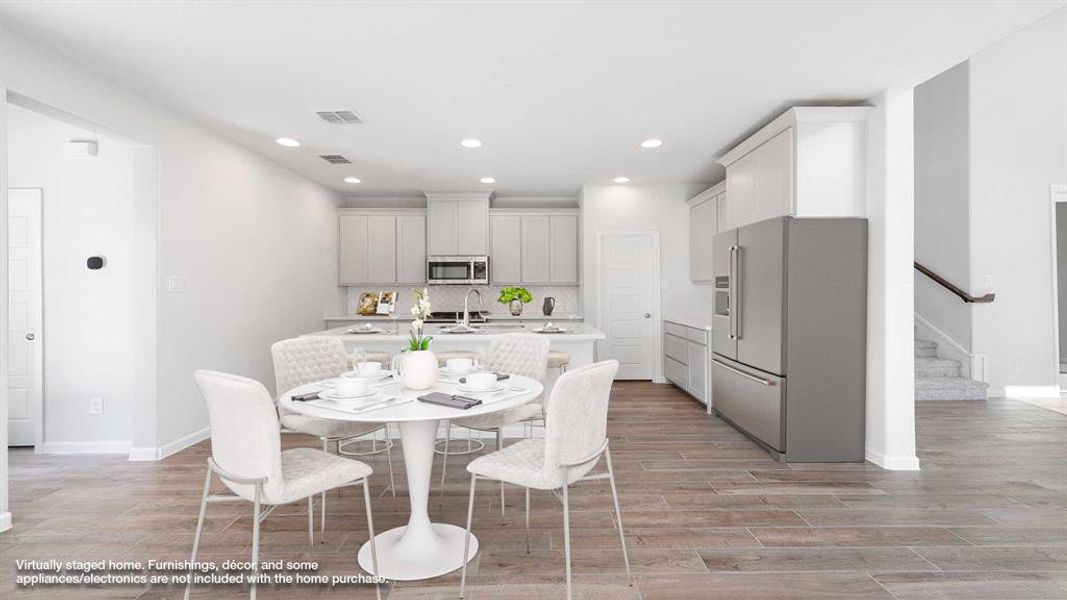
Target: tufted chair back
[303, 360]
[523, 354]
[245, 436]
[576, 417]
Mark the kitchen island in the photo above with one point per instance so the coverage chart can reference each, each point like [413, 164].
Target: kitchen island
[579, 340]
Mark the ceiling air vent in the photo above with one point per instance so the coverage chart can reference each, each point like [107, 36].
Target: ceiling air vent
[335, 159]
[340, 117]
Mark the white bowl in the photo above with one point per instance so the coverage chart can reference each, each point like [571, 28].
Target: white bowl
[350, 387]
[481, 381]
[459, 366]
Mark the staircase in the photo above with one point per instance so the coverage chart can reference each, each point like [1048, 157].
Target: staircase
[939, 378]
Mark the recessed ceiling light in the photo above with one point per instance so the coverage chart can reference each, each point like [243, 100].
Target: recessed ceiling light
[471, 143]
[622, 180]
[487, 180]
[353, 180]
[651, 143]
[287, 142]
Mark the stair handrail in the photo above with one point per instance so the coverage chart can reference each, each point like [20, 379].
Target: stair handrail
[969, 299]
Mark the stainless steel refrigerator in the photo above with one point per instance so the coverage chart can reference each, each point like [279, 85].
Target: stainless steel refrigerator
[789, 335]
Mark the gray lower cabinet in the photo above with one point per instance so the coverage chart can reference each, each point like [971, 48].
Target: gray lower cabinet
[686, 359]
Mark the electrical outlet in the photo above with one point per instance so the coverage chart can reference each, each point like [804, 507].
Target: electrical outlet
[1017, 365]
[96, 406]
[175, 284]
[988, 283]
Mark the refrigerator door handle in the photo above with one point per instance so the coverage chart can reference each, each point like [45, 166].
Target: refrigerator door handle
[749, 376]
[735, 305]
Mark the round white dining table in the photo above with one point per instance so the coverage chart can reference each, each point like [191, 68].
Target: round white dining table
[421, 549]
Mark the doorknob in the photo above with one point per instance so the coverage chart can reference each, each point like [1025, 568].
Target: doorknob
[648, 315]
[30, 336]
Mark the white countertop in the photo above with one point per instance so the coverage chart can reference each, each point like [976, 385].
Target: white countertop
[492, 317]
[695, 321]
[577, 332]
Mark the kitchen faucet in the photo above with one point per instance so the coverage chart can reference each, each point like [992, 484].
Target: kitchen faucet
[466, 312]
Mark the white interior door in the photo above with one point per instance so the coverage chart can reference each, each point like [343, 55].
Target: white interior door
[628, 265]
[25, 368]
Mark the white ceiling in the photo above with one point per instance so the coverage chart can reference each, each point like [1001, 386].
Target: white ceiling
[561, 94]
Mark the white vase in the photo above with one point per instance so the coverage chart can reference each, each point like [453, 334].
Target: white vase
[418, 370]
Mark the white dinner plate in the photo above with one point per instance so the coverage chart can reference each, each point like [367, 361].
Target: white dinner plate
[454, 375]
[464, 388]
[556, 330]
[378, 377]
[332, 395]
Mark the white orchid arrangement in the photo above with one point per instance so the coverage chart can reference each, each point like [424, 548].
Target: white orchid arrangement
[421, 311]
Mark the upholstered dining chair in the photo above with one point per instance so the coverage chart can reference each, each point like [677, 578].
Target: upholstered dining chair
[575, 438]
[246, 455]
[522, 354]
[308, 359]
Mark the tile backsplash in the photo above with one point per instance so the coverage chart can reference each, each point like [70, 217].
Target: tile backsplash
[450, 297]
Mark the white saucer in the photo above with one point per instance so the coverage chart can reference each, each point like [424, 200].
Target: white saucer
[378, 377]
[332, 395]
[553, 330]
[453, 374]
[463, 388]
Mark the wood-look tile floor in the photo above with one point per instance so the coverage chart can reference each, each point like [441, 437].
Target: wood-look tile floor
[708, 515]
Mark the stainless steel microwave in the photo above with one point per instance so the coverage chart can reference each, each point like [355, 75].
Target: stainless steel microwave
[459, 270]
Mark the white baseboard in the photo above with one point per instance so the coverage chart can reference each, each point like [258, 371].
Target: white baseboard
[148, 453]
[184, 442]
[5, 520]
[1032, 391]
[144, 453]
[892, 463]
[103, 447]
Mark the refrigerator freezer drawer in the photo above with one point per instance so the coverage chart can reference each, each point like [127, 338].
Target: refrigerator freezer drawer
[750, 399]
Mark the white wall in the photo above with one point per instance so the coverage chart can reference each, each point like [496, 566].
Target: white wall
[255, 242]
[942, 200]
[659, 208]
[1018, 131]
[890, 435]
[89, 315]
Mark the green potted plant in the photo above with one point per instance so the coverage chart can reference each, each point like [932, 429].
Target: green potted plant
[515, 297]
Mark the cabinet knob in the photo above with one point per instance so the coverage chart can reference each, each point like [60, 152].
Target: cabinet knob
[648, 315]
[31, 337]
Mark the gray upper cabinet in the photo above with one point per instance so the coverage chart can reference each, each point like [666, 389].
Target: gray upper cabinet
[505, 254]
[536, 249]
[703, 225]
[563, 230]
[353, 238]
[411, 248]
[531, 246]
[457, 224]
[378, 246]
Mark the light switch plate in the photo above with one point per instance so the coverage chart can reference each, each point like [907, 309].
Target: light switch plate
[175, 284]
[96, 406]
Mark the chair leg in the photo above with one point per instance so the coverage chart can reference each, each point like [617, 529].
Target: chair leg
[444, 459]
[373, 545]
[199, 528]
[500, 446]
[322, 509]
[311, 520]
[389, 459]
[567, 532]
[618, 514]
[527, 520]
[255, 540]
[467, 541]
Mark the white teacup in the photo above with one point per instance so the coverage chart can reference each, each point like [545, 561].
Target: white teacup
[351, 387]
[368, 369]
[459, 366]
[481, 381]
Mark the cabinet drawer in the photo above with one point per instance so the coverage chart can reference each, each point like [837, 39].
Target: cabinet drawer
[676, 347]
[675, 372]
[699, 336]
[675, 329]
